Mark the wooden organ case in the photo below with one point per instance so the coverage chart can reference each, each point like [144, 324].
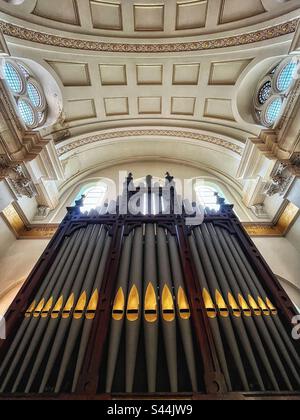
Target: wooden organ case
[122, 305]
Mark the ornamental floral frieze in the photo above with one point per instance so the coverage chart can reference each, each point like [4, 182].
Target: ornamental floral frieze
[39, 37]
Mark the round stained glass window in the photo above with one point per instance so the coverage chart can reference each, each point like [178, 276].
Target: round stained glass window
[286, 77]
[26, 112]
[34, 95]
[265, 93]
[13, 78]
[273, 111]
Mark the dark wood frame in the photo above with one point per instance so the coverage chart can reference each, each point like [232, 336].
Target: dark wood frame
[120, 226]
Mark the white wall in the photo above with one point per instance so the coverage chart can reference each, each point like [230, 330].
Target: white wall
[17, 258]
[284, 259]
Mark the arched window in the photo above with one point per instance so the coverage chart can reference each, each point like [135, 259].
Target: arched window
[272, 91]
[207, 197]
[94, 197]
[27, 92]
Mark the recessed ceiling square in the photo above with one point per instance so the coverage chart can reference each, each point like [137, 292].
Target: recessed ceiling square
[149, 74]
[106, 15]
[227, 72]
[72, 74]
[219, 109]
[111, 74]
[186, 74]
[191, 15]
[148, 17]
[183, 106]
[116, 106]
[149, 105]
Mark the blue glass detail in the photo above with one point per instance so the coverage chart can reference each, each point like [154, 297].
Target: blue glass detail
[265, 93]
[273, 111]
[26, 112]
[13, 79]
[34, 95]
[286, 77]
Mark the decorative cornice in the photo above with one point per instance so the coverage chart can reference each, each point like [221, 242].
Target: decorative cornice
[44, 38]
[146, 133]
[279, 229]
[23, 230]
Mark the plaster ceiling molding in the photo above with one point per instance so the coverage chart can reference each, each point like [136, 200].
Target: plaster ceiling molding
[3, 46]
[72, 74]
[73, 144]
[140, 20]
[43, 38]
[64, 11]
[235, 10]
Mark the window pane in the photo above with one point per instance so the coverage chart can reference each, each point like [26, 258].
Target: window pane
[286, 77]
[34, 95]
[26, 112]
[265, 93]
[273, 111]
[13, 79]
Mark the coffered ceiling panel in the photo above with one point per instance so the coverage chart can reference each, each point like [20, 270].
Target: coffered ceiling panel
[149, 74]
[150, 105]
[72, 74]
[186, 74]
[232, 10]
[219, 109]
[106, 15]
[227, 72]
[191, 14]
[82, 109]
[113, 74]
[183, 106]
[65, 11]
[116, 106]
[149, 17]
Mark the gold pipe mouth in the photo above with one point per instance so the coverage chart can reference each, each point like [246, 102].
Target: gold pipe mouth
[256, 309]
[183, 305]
[80, 307]
[272, 308]
[119, 306]
[266, 311]
[244, 306]
[30, 310]
[92, 306]
[236, 310]
[46, 310]
[57, 308]
[68, 307]
[168, 307]
[151, 305]
[38, 310]
[133, 305]
[209, 305]
[221, 305]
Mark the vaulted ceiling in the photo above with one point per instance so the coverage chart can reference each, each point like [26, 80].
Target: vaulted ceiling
[141, 70]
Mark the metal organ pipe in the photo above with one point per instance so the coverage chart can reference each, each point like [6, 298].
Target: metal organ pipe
[151, 307]
[36, 323]
[231, 274]
[118, 311]
[77, 303]
[237, 320]
[168, 313]
[92, 294]
[259, 320]
[134, 308]
[224, 319]
[183, 311]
